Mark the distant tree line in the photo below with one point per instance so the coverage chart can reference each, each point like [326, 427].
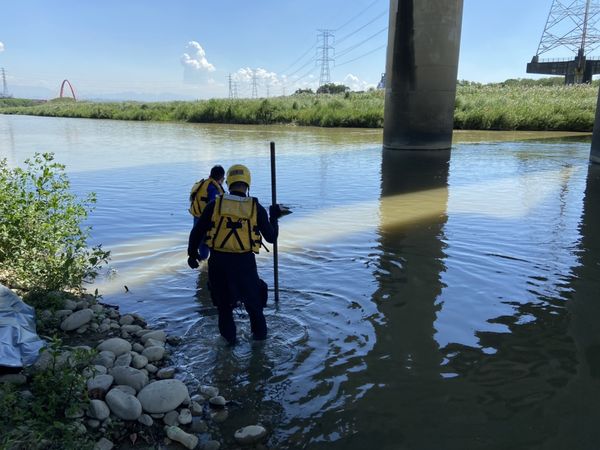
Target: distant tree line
[329, 88]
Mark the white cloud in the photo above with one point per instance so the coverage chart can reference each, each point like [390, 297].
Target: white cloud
[267, 83]
[355, 83]
[244, 74]
[195, 58]
[1, 47]
[262, 75]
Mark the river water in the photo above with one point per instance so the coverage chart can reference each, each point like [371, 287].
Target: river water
[427, 301]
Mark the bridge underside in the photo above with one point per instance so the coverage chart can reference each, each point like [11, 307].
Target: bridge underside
[575, 72]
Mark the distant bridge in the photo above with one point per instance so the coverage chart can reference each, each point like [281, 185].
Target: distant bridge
[62, 89]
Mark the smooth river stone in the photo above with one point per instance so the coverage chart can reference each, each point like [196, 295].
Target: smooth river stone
[116, 345]
[77, 319]
[163, 396]
[123, 405]
[130, 377]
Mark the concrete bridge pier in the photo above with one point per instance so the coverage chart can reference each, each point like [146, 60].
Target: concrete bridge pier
[595, 151]
[421, 70]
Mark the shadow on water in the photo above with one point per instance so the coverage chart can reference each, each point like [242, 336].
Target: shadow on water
[534, 385]
[403, 382]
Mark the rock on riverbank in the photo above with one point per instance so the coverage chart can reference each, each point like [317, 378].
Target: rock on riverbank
[132, 389]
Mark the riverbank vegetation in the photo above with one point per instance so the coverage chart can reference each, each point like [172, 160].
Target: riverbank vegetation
[43, 252]
[524, 104]
[101, 379]
[43, 245]
[12, 102]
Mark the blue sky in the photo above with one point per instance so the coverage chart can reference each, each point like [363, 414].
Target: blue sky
[147, 49]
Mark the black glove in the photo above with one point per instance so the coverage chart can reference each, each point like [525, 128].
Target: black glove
[193, 262]
[275, 211]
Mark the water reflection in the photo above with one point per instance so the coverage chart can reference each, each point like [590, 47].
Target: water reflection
[412, 259]
[425, 304]
[584, 304]
[7, 143]
[532, 385]
[404, 369]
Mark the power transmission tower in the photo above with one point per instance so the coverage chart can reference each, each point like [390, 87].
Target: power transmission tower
[268, 85]
[283, 90]
[326, 38]
[235, 90]
[572, 26]
[4, 86]
[230, 87]
[254, 85]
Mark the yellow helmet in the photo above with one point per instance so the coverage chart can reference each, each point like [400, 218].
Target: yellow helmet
[238, 172]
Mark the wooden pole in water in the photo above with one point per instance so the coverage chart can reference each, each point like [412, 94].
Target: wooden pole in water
[274, 202]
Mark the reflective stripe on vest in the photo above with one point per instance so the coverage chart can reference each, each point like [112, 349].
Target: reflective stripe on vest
[199, 195]
[234, 227]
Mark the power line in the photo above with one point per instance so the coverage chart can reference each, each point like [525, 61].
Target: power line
[352, 33]
[362, 56]
[305, 75]
[301, 67]
[349, 49]
[300, 58]
[326, 50]
[357, 15]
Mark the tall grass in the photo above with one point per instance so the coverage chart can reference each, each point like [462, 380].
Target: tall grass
[512, 105]
[7, 101]
[497, 107]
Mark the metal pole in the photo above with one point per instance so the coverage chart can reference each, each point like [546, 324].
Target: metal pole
[585, 25]
[274, 202]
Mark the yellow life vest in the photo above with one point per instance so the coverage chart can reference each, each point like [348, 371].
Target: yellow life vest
[199, 195]
[234, 227]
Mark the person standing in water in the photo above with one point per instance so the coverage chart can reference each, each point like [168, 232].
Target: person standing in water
[233, 226]
[203, 192]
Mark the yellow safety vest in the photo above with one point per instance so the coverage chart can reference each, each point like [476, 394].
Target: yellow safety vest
[234, 227]
[199, 195]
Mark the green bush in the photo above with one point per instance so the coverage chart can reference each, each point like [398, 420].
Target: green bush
[43, 245]
[42, 421]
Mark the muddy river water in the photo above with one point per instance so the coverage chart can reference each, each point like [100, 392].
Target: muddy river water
[429, 301]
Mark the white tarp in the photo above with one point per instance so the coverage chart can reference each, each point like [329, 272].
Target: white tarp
[19, 342]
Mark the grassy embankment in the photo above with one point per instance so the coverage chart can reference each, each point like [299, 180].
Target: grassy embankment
[513, 105]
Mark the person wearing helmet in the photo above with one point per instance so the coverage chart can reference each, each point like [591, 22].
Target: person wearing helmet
[234, 225]
[202, 193]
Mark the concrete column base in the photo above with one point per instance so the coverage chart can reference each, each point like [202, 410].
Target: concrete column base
[421, 70]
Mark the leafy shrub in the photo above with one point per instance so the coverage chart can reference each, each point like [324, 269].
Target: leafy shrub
[42, 241]
[42, 421]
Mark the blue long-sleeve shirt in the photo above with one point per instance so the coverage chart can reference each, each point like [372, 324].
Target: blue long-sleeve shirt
[212, 192]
